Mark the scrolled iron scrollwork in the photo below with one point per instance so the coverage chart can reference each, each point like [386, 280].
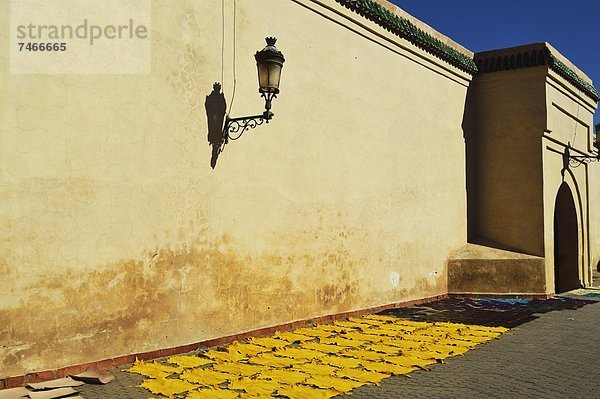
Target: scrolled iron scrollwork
[234, 128]
[575, 161]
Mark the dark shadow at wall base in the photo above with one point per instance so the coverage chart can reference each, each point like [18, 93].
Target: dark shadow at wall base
[478, 240]
[491, 312]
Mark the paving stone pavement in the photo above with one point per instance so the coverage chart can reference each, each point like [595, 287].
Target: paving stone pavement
[551, 352]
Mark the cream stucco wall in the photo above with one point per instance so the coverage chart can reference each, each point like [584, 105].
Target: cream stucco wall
[594, 218]
[117, 237]
[520, 119]
[569, 120]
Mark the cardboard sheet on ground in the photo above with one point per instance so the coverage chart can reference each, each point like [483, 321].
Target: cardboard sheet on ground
[91, 376]
[51, 394]
[59, 383]
[67, 397]
[13, 393]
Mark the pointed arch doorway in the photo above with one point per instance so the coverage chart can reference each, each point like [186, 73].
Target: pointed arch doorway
[566, 242]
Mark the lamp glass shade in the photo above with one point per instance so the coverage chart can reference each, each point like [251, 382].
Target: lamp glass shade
[269, 62]
[269, 75]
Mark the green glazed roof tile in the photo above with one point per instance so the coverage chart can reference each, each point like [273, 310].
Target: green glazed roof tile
[407, 30]
[532, 55]
[567, 73]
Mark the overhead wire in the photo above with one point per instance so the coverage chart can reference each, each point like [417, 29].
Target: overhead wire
[234, 57]
[222, 42]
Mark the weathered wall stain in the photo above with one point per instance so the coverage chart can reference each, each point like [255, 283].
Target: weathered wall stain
[133, 304]
[175, 296]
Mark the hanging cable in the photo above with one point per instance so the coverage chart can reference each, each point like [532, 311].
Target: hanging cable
[222, 43]
[576, 122]
[234, 58]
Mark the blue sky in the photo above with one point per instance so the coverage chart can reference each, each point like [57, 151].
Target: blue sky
[572, 27]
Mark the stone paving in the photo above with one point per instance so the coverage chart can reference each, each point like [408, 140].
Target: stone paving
[552, 352]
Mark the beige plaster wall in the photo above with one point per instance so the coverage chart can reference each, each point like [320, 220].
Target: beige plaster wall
[576, 180]
[594, 217]
[594, 209]
[570, 120]
[117, 237]
[521, 122]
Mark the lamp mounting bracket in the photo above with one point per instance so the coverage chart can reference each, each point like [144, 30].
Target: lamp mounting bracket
[235, 127]
[574, 161]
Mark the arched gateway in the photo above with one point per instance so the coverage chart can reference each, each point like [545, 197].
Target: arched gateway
[566, 242]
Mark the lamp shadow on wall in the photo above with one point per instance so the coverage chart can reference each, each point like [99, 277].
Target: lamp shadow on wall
[216, 109]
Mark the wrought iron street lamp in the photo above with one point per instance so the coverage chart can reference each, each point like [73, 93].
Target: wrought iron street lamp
[573, 161]
[269, 62]
[576, 160]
